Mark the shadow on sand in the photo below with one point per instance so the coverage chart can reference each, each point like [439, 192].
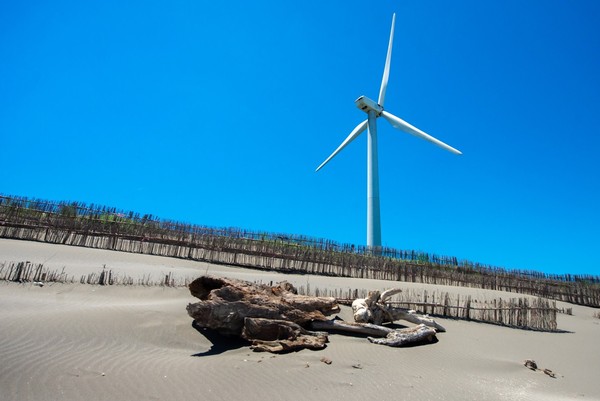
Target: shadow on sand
[220, 343]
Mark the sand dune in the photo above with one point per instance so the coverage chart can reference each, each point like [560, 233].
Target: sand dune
[73, 342]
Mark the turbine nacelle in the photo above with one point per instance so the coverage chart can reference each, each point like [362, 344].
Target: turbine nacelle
[366, 105]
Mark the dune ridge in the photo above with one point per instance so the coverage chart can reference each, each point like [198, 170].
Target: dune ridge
[72, 342]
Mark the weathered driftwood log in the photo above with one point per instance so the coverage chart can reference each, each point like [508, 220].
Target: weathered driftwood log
[225, 303]
[367, 329]
[391, 337]
[402, 337]
[374, 309]
[280, 335]
[277, 319]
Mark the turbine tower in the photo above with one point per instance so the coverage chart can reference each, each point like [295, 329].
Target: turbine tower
[375, 110]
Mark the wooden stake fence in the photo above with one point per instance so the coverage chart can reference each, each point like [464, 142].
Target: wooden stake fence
[106, 228]
[27, 272]
[524, 313]
[537, 314]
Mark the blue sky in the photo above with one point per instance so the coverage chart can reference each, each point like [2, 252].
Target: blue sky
[218, 113]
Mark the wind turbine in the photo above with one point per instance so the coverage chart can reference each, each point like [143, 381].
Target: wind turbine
[375, 110]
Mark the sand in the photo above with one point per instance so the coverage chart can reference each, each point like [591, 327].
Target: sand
[74, 342]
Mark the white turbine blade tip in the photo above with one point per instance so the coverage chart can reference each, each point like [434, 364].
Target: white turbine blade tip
[386, 69]
[355, 132]
[406, 127]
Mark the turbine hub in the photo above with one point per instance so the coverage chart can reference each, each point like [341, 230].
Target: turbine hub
[366, 105]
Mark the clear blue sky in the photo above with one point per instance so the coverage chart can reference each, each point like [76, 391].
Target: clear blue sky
[218, 113]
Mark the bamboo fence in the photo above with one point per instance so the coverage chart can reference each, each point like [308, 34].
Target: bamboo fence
[530, 313]
[524, 313]
[73, 223]
[537, 314]
[27, 272]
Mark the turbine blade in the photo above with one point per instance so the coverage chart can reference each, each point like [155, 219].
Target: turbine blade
[355, 132]
[406, 127]
[388, 60]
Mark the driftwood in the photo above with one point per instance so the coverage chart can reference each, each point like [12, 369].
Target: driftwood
[280, 335]
[271, 318]
[530, 363]
[368, 329]
[277, 319]
[402, 337]
[391, 337]
[374, 309]
[227, 302]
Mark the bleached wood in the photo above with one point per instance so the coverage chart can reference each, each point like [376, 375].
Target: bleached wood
[374, 309]
[368, 329]
[402, 337]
